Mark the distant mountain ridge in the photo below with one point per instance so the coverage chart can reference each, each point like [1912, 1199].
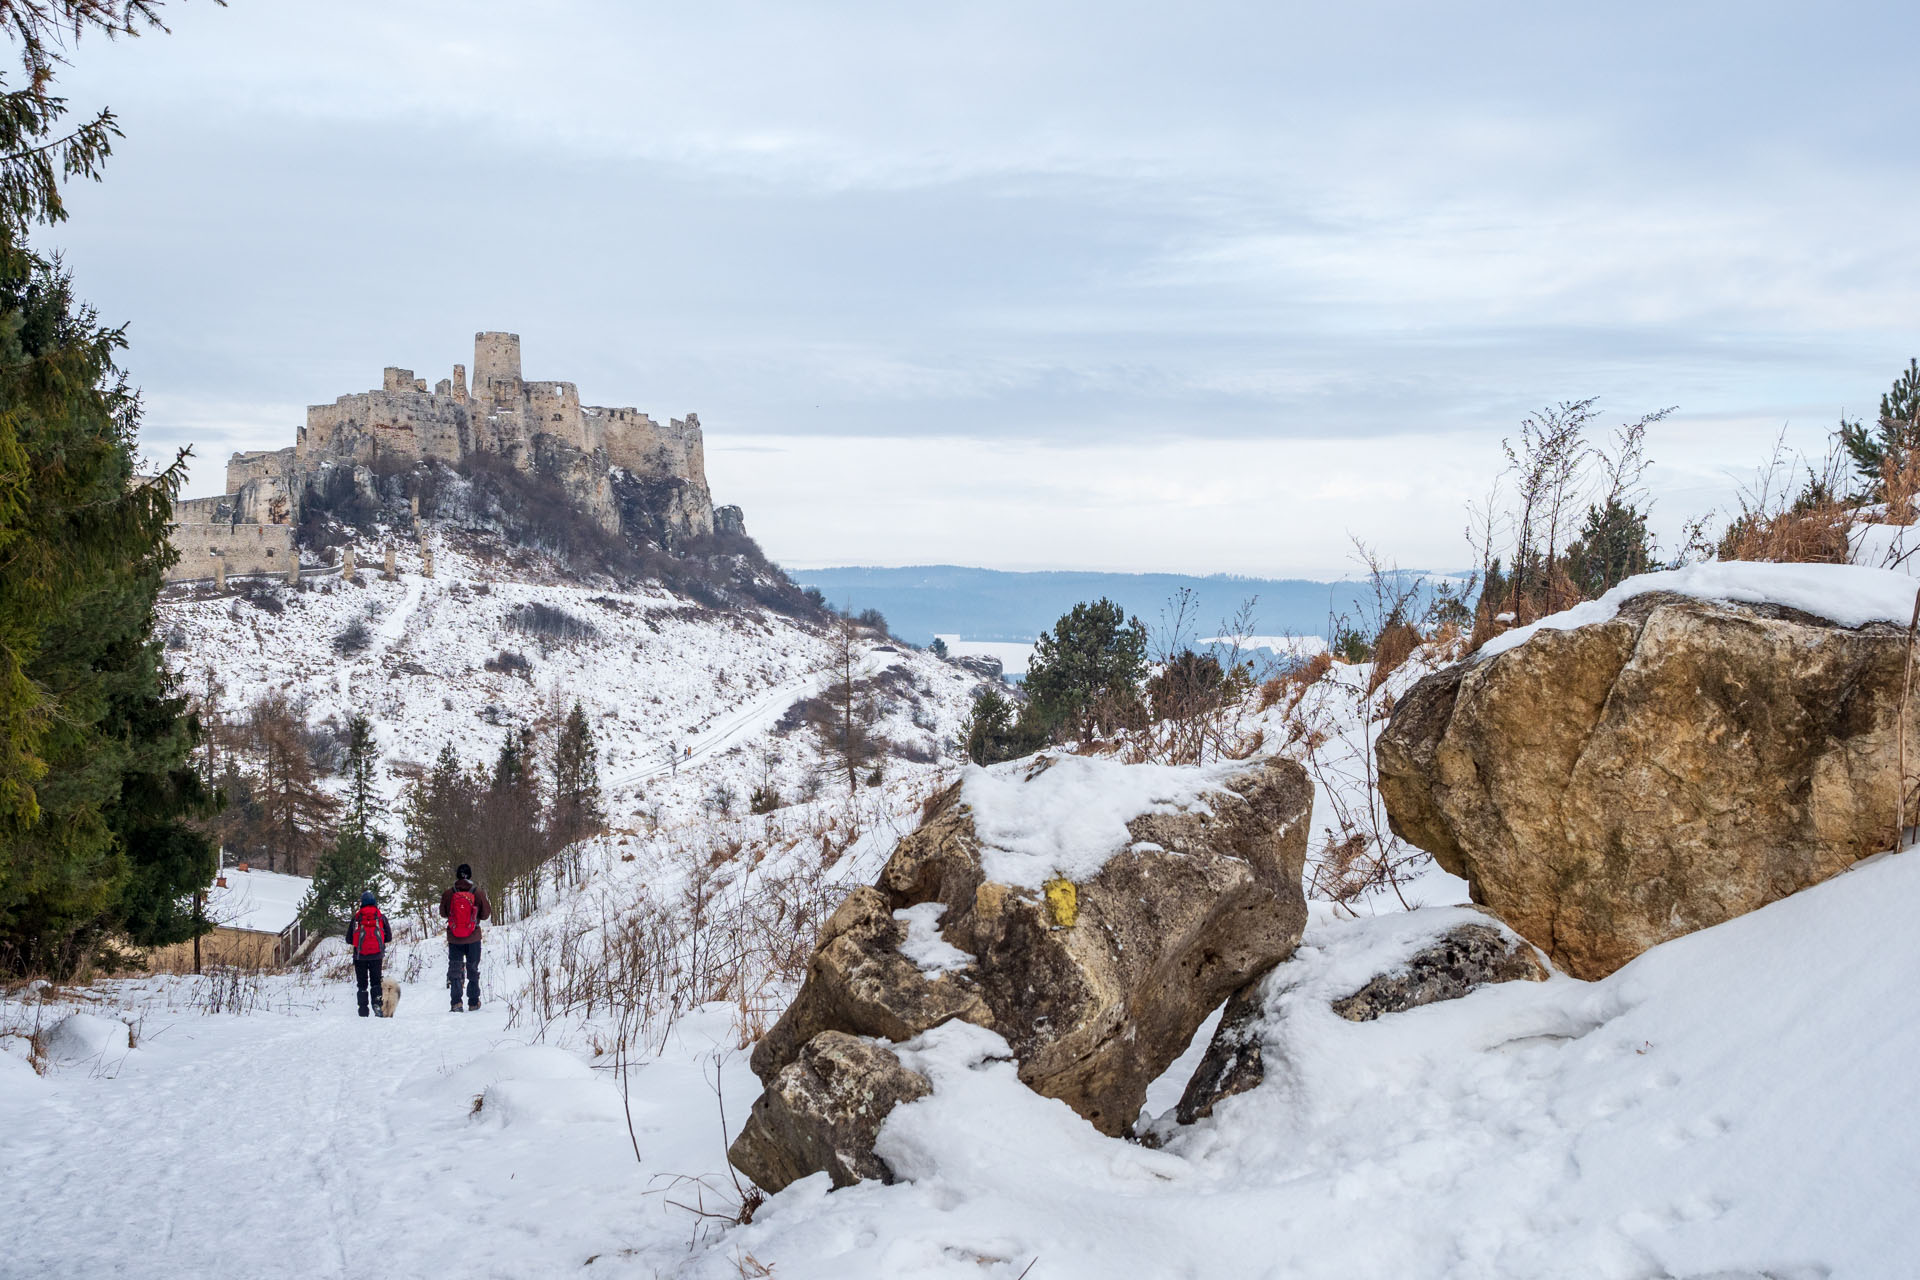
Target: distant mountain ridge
[921, 601]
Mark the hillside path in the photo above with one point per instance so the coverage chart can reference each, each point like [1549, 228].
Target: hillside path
[317, 1143]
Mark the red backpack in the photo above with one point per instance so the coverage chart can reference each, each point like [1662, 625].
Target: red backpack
[366, 935]
[462, 914]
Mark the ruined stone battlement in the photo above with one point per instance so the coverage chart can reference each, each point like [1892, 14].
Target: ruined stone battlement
[403, 422]
[597, 454]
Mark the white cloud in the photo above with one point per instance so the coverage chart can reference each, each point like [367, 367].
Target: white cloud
[1028, 272]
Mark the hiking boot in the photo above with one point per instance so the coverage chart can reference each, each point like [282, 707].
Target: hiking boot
[473, 1008]
[363, 1013]
[456, 1009]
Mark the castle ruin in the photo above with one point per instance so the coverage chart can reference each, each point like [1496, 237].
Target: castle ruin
[629, 473]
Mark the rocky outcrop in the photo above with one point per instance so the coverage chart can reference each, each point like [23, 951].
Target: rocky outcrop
[823, 1110]
[1096, 984]
[1459, 961]
[1606, 788]
[1463, 959]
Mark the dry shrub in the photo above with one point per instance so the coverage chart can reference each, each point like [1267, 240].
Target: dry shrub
[1270, 693]
[1900, 483]
[726, 935]
[1811, 526]
[1395, 645]
[1341, 871]
[1816, 535]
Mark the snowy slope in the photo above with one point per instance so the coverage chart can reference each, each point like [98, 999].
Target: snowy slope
[661, 677]
[1731, 1104]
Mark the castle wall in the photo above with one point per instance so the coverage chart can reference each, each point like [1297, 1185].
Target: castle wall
[387, 426]
[215, 510]
[644, 447]
[246, 548]
[244, 468]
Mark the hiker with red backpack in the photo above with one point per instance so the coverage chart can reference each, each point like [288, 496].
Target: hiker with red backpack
[465, 906]
[368, 935]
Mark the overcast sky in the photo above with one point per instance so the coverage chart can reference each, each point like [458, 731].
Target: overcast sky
[1199, 287]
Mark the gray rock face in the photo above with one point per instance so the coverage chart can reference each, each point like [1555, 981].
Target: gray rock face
[823, 1110]
[1473, 955]
[1235, 1060]
[1096, 986]
[980, 664]
[1610, 787]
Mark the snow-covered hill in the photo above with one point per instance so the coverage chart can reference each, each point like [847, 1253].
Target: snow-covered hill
[683, 699]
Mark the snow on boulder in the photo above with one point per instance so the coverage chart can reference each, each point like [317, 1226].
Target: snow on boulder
[1134, 900]
[85, 1037]
[1692, 746]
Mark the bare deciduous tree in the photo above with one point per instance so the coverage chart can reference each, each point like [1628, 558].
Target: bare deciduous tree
[845, 715]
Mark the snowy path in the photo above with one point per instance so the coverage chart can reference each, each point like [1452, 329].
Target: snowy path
[392, 629]
[321, 1144]
[759, 716]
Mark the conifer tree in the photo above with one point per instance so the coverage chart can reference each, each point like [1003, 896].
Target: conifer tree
[846, 715]
[1084, 676]
[1895, 432]
[442, 813]
[356, 860]
[95, 787]
[298, 814]
[577, 807]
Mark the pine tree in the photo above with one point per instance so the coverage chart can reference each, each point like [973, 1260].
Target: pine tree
[442, 815]
[356, 861]
[1084, 675]
[577, 809]
[990, 733]
[1894, 434]
[94, 785]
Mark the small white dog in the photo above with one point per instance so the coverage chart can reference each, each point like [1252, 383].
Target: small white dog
[389, 997]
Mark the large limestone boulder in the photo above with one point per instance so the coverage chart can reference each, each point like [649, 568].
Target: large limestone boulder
[1610, 786]
[1091, 913]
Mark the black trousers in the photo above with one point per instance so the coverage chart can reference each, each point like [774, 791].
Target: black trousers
[464, 955]
[366, 973]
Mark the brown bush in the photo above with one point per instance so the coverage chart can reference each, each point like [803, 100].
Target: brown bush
[1395, 645]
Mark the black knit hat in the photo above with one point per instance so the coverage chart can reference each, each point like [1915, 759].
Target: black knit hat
[463, 872]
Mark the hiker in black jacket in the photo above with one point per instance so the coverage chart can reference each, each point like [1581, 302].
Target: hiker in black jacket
[464, 906]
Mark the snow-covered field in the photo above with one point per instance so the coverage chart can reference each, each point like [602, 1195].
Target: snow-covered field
[1731, 1104]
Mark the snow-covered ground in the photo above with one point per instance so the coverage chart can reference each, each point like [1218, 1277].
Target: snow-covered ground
[1728, 1105]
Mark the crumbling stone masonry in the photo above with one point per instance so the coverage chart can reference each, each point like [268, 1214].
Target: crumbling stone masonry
[594, 452]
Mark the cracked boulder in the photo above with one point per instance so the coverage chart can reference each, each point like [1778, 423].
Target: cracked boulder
[1605, 788]
[1092, 913]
